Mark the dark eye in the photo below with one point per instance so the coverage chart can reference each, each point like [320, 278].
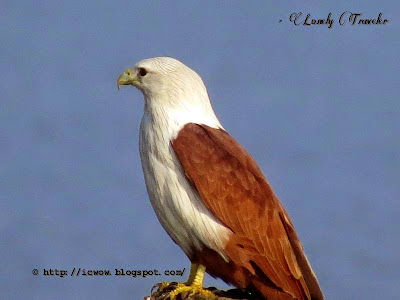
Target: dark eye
[142, 72]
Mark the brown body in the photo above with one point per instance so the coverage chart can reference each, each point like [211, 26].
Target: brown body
[264, 251]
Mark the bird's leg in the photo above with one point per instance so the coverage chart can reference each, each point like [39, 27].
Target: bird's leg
[192, 274]
[194, 284]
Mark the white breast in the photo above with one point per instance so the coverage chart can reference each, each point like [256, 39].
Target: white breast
[177, 205]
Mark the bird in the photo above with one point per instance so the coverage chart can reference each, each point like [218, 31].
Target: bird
[208, 192]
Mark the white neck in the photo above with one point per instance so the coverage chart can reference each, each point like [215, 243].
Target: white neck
[171, 115]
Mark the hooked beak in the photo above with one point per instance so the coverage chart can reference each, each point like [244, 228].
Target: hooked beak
[127, 78]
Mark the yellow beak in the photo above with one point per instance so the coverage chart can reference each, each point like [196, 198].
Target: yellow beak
[127, 78]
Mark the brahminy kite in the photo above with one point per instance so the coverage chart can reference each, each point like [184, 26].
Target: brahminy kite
[208, 192]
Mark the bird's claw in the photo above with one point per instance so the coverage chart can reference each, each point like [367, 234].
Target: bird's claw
[192, 290]
[171, 290]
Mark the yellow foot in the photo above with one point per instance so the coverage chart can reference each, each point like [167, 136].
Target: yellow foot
[194, 285]
[192, 289]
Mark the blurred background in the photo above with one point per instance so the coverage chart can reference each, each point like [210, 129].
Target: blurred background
[318, 108]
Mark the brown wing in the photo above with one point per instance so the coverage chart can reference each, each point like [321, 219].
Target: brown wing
[236, 192]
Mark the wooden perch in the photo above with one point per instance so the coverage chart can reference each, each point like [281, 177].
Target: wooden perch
[233, 294]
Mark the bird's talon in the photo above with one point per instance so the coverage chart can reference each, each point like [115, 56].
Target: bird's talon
[192, 290]
[159, 287]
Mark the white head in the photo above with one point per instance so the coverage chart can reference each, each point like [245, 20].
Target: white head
[169, 85]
